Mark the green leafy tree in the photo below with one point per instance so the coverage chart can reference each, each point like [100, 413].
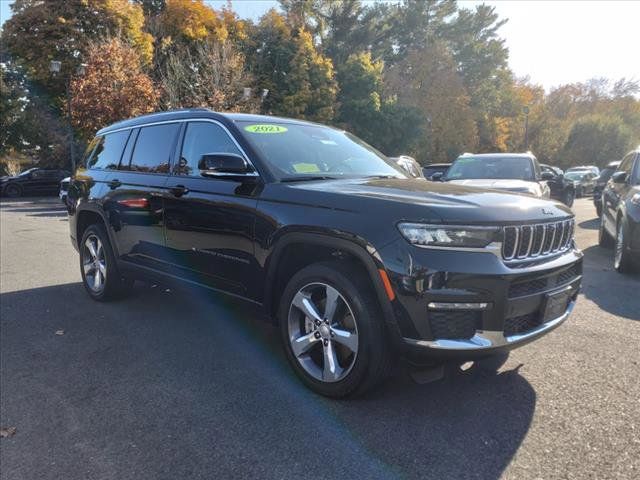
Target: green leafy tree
[300, 80]
[597, 140]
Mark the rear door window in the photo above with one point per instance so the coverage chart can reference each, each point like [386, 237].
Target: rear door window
[154, 148]
[107, 153]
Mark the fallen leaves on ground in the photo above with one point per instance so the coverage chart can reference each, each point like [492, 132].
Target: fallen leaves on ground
[7, 432]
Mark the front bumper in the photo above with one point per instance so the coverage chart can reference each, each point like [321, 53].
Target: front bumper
[501, 308]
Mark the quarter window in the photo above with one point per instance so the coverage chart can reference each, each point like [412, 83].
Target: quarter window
[199, 139]
[108, 151]
[154, 148]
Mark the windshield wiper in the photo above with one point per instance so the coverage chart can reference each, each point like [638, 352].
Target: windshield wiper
[307, 178]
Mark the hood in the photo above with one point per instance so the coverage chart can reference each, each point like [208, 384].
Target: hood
[419, 200]
[519, 186]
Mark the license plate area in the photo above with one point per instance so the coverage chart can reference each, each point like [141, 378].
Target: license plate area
[556, 303]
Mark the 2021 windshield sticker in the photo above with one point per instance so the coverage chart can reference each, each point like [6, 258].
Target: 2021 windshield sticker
[265, 128]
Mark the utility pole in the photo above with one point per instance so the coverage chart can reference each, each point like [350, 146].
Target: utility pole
[55, 67]
[525, 110]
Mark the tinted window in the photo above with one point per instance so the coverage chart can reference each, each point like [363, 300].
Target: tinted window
[201, 138]
[107, 153]
[626, 164]
[636, 175]
[154, 147]
[90, 148]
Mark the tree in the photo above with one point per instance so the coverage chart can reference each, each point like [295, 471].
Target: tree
[42, 30]
[597, 140]
[427, 80]
[300, 79]
[209, 75]
[193, 20]
[113, 87]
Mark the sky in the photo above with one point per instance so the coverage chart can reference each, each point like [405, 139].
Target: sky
[552, 42]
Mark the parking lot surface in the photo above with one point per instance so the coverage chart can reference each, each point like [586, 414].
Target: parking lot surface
[175, 385]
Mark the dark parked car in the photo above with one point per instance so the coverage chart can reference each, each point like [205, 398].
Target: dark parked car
[601, 182]
[354, 261]
[35, 181]
[620, 223]
[435, 171]
[514, 172]
[584, 181]
[560, 187]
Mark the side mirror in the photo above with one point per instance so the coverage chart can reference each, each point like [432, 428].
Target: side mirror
[619, 177]
[222, 164]
[437, 177]
[547, 176]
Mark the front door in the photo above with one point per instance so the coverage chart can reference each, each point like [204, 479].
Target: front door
[210, 221]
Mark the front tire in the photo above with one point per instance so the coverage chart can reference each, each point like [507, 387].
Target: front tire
[13, 191]
[100, 275]
[333, 330]
[604, 239]
[622, 261]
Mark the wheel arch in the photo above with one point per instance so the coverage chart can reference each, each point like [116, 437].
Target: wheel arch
[291, 245]
[88, 215]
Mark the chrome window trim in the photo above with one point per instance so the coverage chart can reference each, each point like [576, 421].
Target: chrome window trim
[255, 172]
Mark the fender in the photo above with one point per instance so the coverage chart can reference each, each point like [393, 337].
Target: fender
[93, 208]
[367, 256]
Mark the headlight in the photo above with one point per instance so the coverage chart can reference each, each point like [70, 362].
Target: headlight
[636, 199]
[448, 235]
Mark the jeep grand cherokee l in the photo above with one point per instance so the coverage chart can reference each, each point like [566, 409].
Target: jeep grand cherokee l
[513, 172]
[355, 262]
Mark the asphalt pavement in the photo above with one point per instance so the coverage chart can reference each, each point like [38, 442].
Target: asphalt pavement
[182, 384]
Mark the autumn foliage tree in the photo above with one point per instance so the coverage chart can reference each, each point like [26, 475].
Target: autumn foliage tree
[43, 30]
[113, 87]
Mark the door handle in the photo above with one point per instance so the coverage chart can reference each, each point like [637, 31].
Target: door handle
[114, 184]
[178, 190]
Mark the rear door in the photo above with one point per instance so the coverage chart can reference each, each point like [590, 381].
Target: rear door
[134, 201]
[210, 221]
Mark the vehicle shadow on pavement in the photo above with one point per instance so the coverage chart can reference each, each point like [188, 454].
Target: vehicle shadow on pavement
[611, 291]
[593, 224]
[167, 385]
[45, 207]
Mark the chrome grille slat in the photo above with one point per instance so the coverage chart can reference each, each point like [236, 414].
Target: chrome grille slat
[530, 241]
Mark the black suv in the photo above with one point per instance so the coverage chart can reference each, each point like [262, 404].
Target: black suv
[35, 181]
[354, 261]
[620, 222]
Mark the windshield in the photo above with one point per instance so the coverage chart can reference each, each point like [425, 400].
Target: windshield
[507, 168]
[575, 175]
[27, 172]
[297, 151]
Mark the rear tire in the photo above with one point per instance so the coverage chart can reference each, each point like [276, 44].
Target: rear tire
[604, 239]
[13, 191]
[345, 350]
[100, 275]
[599, 209]
[622, 262]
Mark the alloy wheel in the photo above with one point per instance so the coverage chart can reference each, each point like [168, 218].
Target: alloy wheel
[94, 263]
[323, 332]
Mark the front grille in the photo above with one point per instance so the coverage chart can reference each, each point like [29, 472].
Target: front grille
[454, 325]
[551, 279]
[521, 324]
[531, 241]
